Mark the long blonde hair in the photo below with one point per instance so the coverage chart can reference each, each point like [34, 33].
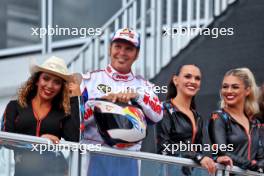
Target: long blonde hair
[29, 90]
[251, 106]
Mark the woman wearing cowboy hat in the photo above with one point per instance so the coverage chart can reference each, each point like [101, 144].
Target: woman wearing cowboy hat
[44, 108]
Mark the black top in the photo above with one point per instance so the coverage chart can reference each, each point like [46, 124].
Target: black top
[223, 129]
[261, 125]
[175, 128]
[22, 120]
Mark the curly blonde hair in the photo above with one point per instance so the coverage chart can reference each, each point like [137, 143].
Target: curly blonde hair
[29, 90]
[251, 103]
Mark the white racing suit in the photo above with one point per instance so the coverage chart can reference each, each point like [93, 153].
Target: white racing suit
[101, 82]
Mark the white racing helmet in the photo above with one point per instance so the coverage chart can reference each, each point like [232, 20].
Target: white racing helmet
[118, 123]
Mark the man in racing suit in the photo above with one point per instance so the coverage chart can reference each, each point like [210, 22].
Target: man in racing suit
[117, 83]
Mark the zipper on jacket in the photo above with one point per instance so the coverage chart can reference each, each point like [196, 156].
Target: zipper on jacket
[194, 125]
[38, 128]
[38, 124]
[249, 141]
[38, 121]
[249, 145]
[194, 134]
[248, 136]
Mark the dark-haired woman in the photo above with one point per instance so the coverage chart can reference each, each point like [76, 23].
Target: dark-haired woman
[43, 109]
[181, 124]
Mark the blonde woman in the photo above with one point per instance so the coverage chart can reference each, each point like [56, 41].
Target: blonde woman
[234, 126]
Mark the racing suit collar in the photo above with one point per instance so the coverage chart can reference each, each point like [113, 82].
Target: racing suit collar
[115, 75]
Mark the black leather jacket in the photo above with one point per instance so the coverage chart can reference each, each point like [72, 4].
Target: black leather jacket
[223, 129]
[260, 118]
[176, 128]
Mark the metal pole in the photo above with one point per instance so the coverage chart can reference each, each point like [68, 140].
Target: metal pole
[96, 52]
[116, 23]
[50, 25]
[179, 21]
[143, 39]
[153, 38]
[198, 11]
[43, 25]
[224, 5]
[206, 11]
[125, 14]
[169, 24]
[106, 47]
[217, 7]
[159, 36]
[134, 14]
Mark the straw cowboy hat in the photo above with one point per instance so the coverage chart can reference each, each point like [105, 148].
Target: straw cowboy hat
[52, 65]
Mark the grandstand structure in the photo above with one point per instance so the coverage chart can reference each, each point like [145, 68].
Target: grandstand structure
[169, 38]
